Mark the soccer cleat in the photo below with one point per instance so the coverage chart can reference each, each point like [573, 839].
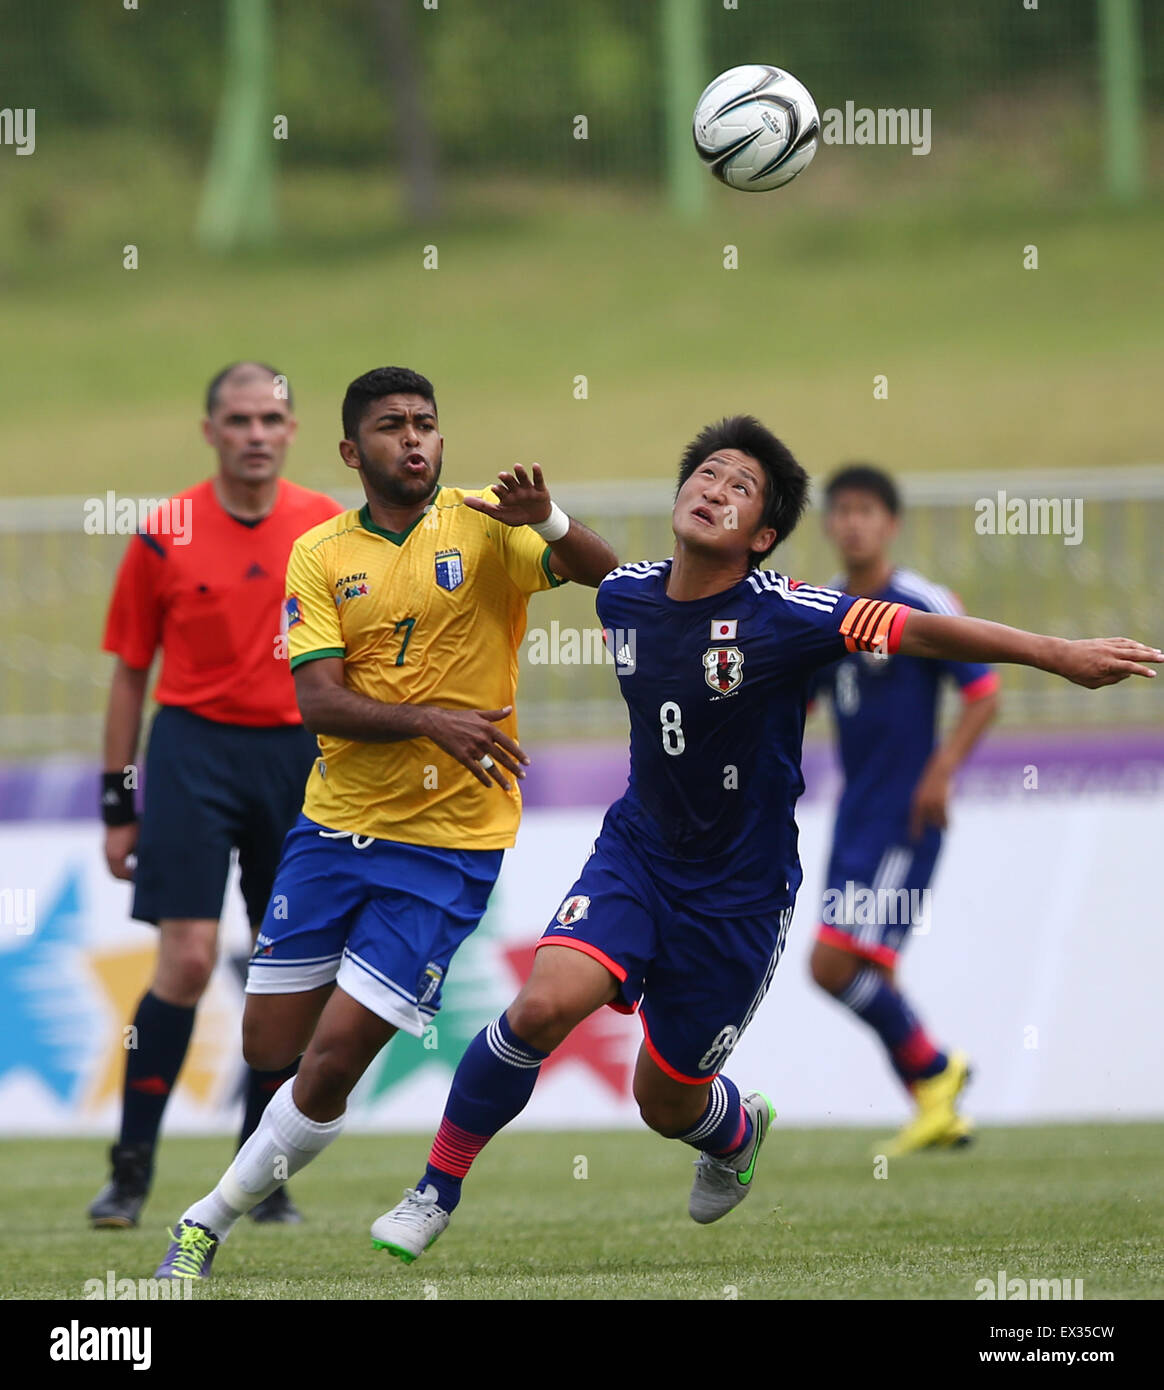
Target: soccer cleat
[190, 1255]
[410, 1227]
[960, 1134]
[277, 1210]
[937, 1123]
[723, 1183]
[118, 1205]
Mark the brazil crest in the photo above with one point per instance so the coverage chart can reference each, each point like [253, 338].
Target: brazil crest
[450, 571]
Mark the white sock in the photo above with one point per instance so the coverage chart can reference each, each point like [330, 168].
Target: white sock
[285, 1141]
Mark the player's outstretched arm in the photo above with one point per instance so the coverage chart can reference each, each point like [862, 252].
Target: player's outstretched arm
[329, 707]
[578, 553]
[1091, 662]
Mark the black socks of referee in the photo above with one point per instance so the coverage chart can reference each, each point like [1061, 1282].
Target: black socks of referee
[155, 1051]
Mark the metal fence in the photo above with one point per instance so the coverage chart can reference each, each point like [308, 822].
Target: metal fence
[55, 582]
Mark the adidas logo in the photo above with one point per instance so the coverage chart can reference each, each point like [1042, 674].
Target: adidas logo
[256, 571]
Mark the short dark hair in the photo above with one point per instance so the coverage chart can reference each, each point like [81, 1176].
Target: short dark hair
[787, 490]
[864, 477]
[373, 385]
[216, 382]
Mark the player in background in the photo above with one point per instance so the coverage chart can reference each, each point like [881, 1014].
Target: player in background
[405, 619]
[682, 908]
[893, 807]
[228, 754]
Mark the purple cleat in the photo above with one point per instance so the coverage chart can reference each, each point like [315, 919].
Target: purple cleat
[191, 1254]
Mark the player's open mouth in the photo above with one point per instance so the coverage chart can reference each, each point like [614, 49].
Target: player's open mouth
[415, 463]
[704, 515]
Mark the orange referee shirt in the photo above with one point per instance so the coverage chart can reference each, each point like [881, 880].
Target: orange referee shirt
[214, 605]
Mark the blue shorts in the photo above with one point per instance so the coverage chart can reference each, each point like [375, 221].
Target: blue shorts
[877, 894]
[211, 788]
[695, 981]
[380, 918]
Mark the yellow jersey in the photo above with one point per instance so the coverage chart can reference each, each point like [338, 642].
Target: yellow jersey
[433, 615]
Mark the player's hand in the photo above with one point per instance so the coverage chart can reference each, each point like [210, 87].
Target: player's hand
[1104, 661]
[931, 797]
[120, 843]
[469, 735]
[521, 500]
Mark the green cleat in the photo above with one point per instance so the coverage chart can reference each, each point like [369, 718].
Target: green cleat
[190, 1255]
[722, 1184]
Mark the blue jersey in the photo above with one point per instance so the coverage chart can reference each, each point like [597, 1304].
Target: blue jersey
[716, 689]
[886, 711]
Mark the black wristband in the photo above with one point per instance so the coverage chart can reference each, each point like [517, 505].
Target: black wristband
[117, 806]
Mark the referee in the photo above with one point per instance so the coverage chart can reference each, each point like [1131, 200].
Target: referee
[228, 755]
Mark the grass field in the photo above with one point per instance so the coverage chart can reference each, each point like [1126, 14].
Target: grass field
[1053, 1201]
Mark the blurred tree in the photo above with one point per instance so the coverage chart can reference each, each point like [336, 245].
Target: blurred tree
[238, 197]
[413, 135]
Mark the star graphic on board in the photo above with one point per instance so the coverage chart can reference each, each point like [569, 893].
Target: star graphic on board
[123, 974]
[44, 1018]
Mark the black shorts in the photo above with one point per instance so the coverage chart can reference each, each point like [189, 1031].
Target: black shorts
[211, 788]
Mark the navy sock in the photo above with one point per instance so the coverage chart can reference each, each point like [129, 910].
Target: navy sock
[152, 1066]
[913, 1055]
[261, 1086]
[725, 1126]
[492, 1085]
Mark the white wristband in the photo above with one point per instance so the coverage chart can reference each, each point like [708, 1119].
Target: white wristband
[554, 527]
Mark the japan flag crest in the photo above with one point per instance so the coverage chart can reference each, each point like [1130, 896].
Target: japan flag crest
[723, 629]
[723, 668]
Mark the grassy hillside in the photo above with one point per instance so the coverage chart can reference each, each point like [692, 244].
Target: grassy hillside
[842, 278]
[987, 363]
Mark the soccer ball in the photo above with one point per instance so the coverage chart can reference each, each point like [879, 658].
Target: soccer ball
[756, 127]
